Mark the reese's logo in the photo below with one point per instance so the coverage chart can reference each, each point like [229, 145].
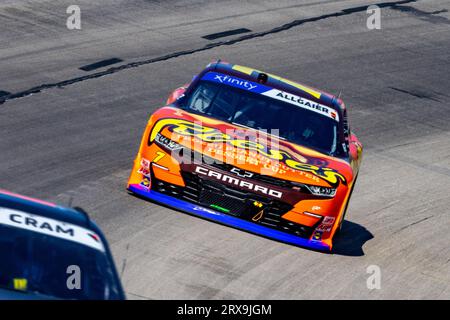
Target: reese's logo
[213, 135]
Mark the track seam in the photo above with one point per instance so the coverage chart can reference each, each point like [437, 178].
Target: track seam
[284, 27]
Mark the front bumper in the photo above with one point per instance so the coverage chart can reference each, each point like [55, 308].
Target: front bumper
[226, 219]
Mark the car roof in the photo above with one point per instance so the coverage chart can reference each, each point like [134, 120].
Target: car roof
[46, 209]
[277, 82]
[75, 216]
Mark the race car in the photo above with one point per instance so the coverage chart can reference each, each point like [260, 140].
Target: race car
[254, 151]
[49, 252]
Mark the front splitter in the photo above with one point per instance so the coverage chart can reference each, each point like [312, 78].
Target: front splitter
[226, 219]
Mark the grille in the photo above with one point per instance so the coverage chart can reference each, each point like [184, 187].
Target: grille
[256, 176]
[236, 202]
[191, 192]
[261, 177]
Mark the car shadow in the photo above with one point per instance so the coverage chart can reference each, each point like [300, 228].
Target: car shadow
[348, 242]
[351, 239]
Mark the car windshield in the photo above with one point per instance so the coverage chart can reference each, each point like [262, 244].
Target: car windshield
[43, 264]
[242, 107]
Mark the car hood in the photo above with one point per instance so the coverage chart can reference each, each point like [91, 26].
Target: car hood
[248, 149]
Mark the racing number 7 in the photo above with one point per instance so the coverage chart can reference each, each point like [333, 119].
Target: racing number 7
[159, 156]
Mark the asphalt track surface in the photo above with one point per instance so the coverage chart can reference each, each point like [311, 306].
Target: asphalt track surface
[74, 138]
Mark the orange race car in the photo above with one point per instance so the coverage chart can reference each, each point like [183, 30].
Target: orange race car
[254, 151]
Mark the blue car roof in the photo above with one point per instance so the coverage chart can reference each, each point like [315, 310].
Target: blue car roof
[45, 209]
